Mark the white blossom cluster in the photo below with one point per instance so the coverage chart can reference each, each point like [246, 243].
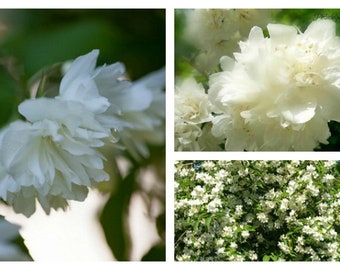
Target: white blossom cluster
[193, 113]
[216, 32]
[9, 251]
[277, 92]
[53, 155]
[257, 210]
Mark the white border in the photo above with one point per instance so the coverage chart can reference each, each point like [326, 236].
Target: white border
[78, 4]
[256, 156]
[170, 81]
[170, 265]
[169, 4]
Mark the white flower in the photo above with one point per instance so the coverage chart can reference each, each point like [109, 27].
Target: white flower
[53, 158]
[292, 186]
[197, 192]
[313, 189]
[214, 205]
[220, 242]
[80, 82]
[207, 27]
[191, 102]
[186, 136]
[208, 165]
[262, 217]
[245, 234]
[252, 255]
[220, 251]
[284, 247]
[300, 240]
[227, 231]
[9, 251]
[281, 91]
[192, 108]
[233, 245]
[146, 125]
[239, 210]
[134, 111]
[216, 32]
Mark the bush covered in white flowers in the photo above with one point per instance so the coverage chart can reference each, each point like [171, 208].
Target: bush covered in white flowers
[257, 210]
[269, 85]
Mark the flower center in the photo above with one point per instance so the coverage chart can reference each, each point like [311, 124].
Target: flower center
[305, 71]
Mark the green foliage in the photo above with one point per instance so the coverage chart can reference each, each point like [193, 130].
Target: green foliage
[7, 96]
[257, 210]
[43, 37]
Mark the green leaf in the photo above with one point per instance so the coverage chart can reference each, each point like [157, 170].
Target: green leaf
[160, 224]
[266, 258]
[208, 221]
[156, 253]
[114, 218]
[19, 244]
[7, 97]
[274, 257]
[196, 225]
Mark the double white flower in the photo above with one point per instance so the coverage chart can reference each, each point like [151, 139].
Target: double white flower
[281, 91]
[53, 157]
[192, 109]
[135, 111]
[216, 32]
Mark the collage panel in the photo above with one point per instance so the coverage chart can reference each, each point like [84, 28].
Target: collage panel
[82, 134]
[257, 210]
[257, 80]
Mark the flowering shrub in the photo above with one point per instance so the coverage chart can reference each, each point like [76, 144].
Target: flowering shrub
[278, 90]
[257, 210]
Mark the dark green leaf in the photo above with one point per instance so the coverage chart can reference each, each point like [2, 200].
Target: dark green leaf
[21, 244]
[114, 218]
[156, 253]
[160, 224]
[7, 97]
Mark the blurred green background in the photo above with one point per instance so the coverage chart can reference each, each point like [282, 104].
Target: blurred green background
[33, 39]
